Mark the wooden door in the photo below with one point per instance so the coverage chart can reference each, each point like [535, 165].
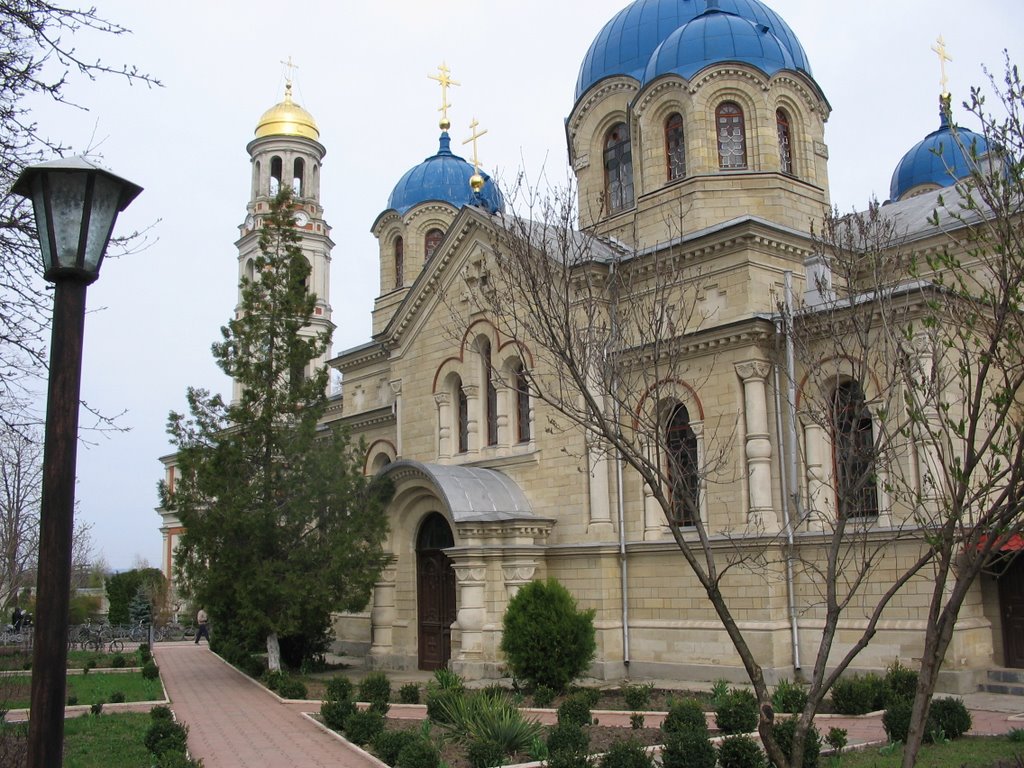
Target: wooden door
[1011, 604]
[435, 593]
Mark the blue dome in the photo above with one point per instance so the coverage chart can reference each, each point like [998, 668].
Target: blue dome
[937, 159]
[713, 37]
[625, 44]
[444, 177]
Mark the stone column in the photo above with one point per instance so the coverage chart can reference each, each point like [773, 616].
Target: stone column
[444, 425]
[473, 412]
[655, 525]
[471, 580]
[758, 447]
[505, 403]
[382, 615]
[820, 495]
[396, 405]
[925, 451]
[517, 574]
[598, 467]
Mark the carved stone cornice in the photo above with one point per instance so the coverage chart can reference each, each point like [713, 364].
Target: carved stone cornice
[594, 97]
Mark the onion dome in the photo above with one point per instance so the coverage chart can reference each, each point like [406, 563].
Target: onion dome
[716, 36]
[287, 119]
[938, 160]
[625, 45]
[447, 178]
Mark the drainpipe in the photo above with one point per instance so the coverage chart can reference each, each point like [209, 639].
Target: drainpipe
[790, 483]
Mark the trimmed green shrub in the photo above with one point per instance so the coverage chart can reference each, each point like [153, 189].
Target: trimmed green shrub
[859, 694]
[590, 695]
[900, 682]
[166, 736]
[339, 689]
[387, 744]
[409, 694]
[688, 748]
[785, 729]
[176, 760]
[547, 640]
[290, 688]
[637, 697]
[685, 715]
[117, 697]
[252, 665]
[837, 738]
[789, 697]
[161, 712]
[150, 670]
[575, 710]
[626, 753]
[543, 696]
[896, 720]
[272, 678]
[375, 689]
[484, 753]
[97, 707]
[951, 716]
[362, 726]
[118, 661]
[568, 759]
[418, 753]
[335, 713]
[737, 712]
[568, 737]
[741, 752]
[72, 700]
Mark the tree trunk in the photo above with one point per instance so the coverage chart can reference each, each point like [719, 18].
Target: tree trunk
[273, 653]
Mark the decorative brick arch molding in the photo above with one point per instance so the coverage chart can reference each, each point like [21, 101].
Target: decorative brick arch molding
[499, 545]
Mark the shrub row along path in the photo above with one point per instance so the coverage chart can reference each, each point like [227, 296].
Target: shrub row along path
[235, 723]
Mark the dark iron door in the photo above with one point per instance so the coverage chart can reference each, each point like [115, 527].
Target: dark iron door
[1011, 603]
[435, 591]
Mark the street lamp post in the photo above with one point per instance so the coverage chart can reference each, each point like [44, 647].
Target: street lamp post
[76, 203]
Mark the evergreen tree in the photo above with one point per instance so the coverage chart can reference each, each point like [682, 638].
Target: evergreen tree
[281, 525]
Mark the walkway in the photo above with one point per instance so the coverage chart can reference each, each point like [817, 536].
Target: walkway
[235, 723]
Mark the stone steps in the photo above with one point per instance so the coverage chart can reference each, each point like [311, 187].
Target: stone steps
[1004, 680]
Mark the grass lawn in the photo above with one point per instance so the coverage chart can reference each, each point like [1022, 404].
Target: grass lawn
[968, 752]
[14, 659]
[15, 692]
[105, 741]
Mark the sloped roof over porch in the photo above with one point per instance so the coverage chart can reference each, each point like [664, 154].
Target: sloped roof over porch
[470, 494]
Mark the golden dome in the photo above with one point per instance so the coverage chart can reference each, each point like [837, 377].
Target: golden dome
[287, 119]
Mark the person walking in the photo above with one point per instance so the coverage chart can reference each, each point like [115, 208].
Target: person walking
[204, 627]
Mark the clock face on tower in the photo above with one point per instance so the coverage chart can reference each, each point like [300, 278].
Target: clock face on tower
[301, 219]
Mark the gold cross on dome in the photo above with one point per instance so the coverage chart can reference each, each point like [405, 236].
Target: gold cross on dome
[443, 77]
[473, 137]
[940, 49]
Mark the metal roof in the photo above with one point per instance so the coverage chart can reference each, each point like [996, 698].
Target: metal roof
[469, 493]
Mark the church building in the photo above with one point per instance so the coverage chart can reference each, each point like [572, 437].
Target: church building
[697, 140]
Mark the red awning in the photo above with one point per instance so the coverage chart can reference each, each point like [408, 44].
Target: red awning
[1014, 543]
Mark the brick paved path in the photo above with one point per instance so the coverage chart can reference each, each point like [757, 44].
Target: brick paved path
[234, 723]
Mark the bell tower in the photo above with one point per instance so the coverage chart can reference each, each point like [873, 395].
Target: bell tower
[286, 153]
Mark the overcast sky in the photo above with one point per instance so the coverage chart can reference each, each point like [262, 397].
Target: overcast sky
[363, 75]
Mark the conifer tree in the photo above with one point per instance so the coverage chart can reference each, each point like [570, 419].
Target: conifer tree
[282, 527]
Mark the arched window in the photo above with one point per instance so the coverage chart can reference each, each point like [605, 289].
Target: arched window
[618, 168]
[399, 262]
[675, 152]
[683, 478]
[732, 142]
[461, 415]
[785, 151]
[491, 400]
[433, 239]
[522, 404]
[854, 453]
[298, 173]
[275, 175]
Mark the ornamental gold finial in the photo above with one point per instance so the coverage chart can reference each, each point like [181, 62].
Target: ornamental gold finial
[443, 77]
[476, 181]
[940, 49]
